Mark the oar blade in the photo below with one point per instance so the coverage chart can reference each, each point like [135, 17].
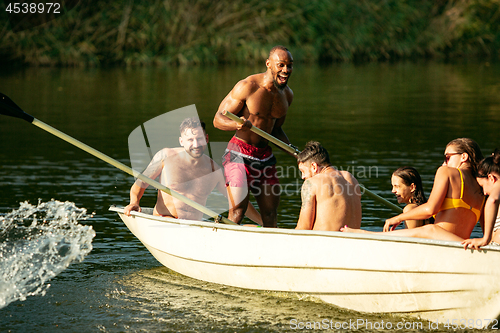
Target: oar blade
[9, 108]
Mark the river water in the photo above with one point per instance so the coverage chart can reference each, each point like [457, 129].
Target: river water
[372, 118]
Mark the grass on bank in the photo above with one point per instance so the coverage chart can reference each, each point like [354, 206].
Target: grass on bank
[169, 32]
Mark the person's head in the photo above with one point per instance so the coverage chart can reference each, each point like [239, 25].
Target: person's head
[280, 64]
[463, 151]
[193, 136]
[312, 159]
[407, 186]
[488, 172]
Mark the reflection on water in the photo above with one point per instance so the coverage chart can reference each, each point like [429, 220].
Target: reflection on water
[160, 296]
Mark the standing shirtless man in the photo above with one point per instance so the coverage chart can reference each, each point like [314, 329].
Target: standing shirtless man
[331, 198]
[261, 100]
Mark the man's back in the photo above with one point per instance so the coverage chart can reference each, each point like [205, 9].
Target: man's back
[338, 200]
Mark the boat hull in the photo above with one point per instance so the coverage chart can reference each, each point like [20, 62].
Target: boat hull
[433, 280]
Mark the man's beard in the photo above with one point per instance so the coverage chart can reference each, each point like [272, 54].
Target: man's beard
[280, 86]
[275, 82]
[196, 153]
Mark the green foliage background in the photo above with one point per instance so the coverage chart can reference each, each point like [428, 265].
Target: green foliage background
[173, 32]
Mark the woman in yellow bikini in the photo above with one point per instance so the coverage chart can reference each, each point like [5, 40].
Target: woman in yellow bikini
[456, 199]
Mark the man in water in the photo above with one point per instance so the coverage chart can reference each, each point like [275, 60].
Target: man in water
[261, 100]
[331, 198]
[186, 170]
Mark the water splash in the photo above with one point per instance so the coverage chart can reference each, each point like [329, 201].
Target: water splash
[37, 243]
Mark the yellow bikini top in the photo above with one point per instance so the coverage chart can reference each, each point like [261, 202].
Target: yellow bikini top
[450, 203]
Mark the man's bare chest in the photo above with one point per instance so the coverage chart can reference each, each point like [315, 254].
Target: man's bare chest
[185, 180]
[264, 103]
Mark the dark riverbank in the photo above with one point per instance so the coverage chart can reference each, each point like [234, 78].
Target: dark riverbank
[154, 32]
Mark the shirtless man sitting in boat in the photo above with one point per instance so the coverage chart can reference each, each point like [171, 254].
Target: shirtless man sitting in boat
[331, 198]
[186, 170]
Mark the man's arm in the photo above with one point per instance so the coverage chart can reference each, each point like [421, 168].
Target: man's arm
[234, 103]
[137, 190]
[278, 132]
[136, 193]
[308, 210]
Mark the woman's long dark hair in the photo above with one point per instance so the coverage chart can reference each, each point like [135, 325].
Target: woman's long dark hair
[489, 164]
[469, 146]
[410, 175]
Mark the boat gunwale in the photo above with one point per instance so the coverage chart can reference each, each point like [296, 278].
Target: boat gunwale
[293, 232]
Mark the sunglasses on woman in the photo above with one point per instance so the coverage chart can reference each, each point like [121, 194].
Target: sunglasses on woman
[448, 155]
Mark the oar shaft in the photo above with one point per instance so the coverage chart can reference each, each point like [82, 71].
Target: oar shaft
[291, 150]
[381, 200]
[263, 134]
[128, 170]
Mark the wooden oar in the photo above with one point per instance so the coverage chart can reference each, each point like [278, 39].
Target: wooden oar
[265, 135]
[9, 108]
[295, 151]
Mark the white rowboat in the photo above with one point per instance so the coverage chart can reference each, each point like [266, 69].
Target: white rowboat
[432, 280]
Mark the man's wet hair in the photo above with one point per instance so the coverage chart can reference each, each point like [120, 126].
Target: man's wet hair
[314, 152]
[277, 47]
[192, 123]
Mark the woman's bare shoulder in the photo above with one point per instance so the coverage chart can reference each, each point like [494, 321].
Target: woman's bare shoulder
[445, 171]
[409, 207]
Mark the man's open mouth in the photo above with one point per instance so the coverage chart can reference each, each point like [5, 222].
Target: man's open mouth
[197, 151]
[282, 78]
